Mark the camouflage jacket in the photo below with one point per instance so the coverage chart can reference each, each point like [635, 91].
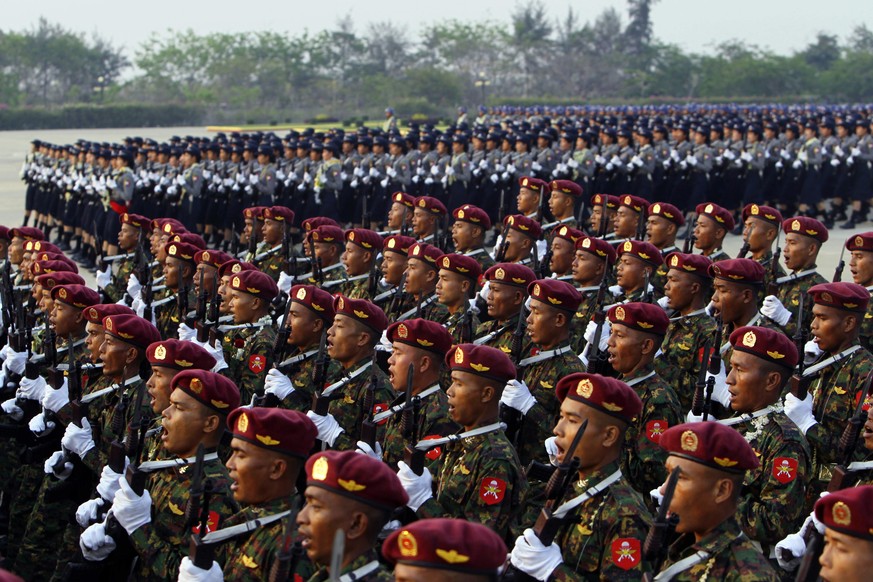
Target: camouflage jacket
[482, 257]
[378, 575]
[480, 480]
[103, 411]
[430, 308]
[301, 372]
[167, 315]
[789, 295]
[118, 287]
[659, 278]
[867, 325]
[356, 288]
[457, 323]
[766, 261]
[434, 423]
[498, 334]
[682, 353]
[272, 262]
[643, 461]
[732, 557]
[348, 400]
[583, 315]
[250, 357]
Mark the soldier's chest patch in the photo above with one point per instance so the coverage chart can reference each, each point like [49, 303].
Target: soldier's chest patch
[248, 562]
[584, 530]
[257, 363]
[211, 523]
[492, 490]
[347, 399]
[784, 469]
[626, 553]
[461, 468]
[655, 428]
[839, 390]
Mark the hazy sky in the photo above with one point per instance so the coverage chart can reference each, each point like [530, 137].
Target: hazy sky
[781, 25]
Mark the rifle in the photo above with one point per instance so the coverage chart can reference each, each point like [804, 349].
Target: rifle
[315, 263]
[849, 439]
[290, 553]
[641, 225]
[604, 218]
[744, 250]
[799, 385]
[74, 390]
[98, 247]
[398, 297]
[373, 279]
[200, 317]
[197, 512]
[772, 286]
[135, 441]
[647, 291]
[655, 546]
[365, 213]
[253, 239]
[541, 207]
[698, 404]
[838, 272]
[213, 312]
[319, 375]
[713, 366]
[513, 418]
[596, 360]
[368, 427]
[280, 348]
[690, 239]
[409, 424]
[182, 300]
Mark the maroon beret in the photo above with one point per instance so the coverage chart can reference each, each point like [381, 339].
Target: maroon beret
[234, 266]
[608, 395]
[255, 283]
[131, 329]
[668, 211]
[327, 233]
[315, 299]
[712, 444]
[447, 544]
[180, 250]
[510, 274]
[212, 258]
[316, 221]
[861, 242]
[279, 214]
[27, 233]
[647, 317]
[554, 293]
[40, 267]
[422, 334]
[481, 360]
[689, 263]
[597, 247]
[428, 254]
[532, 183]
[78, 296]
[461, 264]
[97, 313]
[526, 226]
[848, 511]
[635, 203]
[357, 477]
[171, 226]
[181, 355]
[599, 199]
[4, 233]
[567, 187]
[363, 311]
[568, 233]
[472, 214]
[42, 245]
[50, 280]
[403, 198]
[764, 213]
[716, 213]
[807, 227]
[846, 296]
[190, 238]
[288, 432]
[254, 212]
[135, 220]
[397, 243]
[212, 390]
[431, 204]
[364, 238]
[766, 344]
[644, 251]
[746, 271]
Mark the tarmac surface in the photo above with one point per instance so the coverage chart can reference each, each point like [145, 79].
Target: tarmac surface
[14, 145]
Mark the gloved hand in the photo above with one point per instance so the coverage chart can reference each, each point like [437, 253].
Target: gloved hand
[104, 278]
[131, 510]
[796, 164]
[134, 287]
[188, 572]
[373, 453]
[450, 171]
[774, 309]
[572, 163]
[54, 400]
[786, 155]
[610, 166]
[552, 450]
[216, 352]
[49, 466]
[384, 183]
[278, 383]
[39, 426]
[418, 487]
[800, 411]
[719, 390]
[729, 154]
[285, 282]
[494, 178]
[78, 440]
[12, 409]
[109, 481]
[710, 308]
[533, 558]
[591, 329]
[656, 496]
[95, 544]
[662, 302]
[328, 427]
[691, 417]
[811, 351]
[89, 512]
[536, 166]
[516, 395]
[834, 162]
[15, 361]
[856, 152]
[616, 290]
[31, 389]
[180, 180]
[779, 165]
[186, 333]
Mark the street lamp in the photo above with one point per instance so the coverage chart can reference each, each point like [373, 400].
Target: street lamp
[482, 82]
[101, 85]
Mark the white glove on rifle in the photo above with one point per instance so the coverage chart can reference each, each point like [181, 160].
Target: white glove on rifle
[418, 487]
[591, 329]
[774, 309]
[104, 278]
[720, 392]
[95, 544]
[134, 287]
[800, 411]
[533, 558]
[131, 510]
[12, 409]
[188, 572]
[186, 333]
[328, 428]
[285, 282]
[54, 400]
[517, 396]
[15, 362]
[88, 512]
[39, 426]
[278, 383]
[552, 450]
[78, 440]
[31, 389]
[109, 481]
[55, 458]
[365, 449]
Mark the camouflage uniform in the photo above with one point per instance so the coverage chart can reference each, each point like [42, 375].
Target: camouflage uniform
[356, 289]
[378, 575]
[480, 480]
[456, 324]
[584, 314]
[250, 358]
[866, 335]
[789, 295]
[101, 413]
[499, 335]
[659, 278]
[732, 556]
[644, 459]
[167, 315]
[482, 257]
[682, 356]
[347, 407]
[434, 422]
[301, 374]
[431, 309]
[118, 287]
[272, 263]
[719, 255]
[766, 261]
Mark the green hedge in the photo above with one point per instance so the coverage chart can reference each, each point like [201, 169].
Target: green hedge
[97, 116]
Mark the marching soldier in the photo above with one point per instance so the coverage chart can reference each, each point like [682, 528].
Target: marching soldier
[456, 288]
[662, 224]
[113, 282]
[505, 296]
[422, 273]
[561, 254]
[179, 268]
[712, 225]
[277, 225]
[523, 238]
[360, 263]
[848, 551]
[736, 285]
[562, 205]
[598, 224]
[629, 216]
[861, 266]
[762, 224]
[427, 219]
[592, 263]
[468, 234]
[637, 262]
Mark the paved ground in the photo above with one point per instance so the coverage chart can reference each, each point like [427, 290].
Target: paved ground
[15, 144]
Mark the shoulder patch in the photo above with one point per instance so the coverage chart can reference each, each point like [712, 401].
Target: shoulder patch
[492, 490]
[626, 553]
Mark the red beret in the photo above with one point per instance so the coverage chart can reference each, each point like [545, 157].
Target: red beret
[807, 227]
[431, 204]
[180, 250]
[712, 444]
[173, 353]
[532, 183]
[428, 254]
[766, 344]
[635, 203]
[642, 250]
[554, 293]
[50, 256]
[255, 283]
[193, 239]
[27, 233]
[597, 247]
[254, 212]
[4, 233]
[510, 274]
[472, 214]
[848, 511]
[746, 271]
[422, 334]
[97, 313]
[234, 266]
[647, 317]
[668, 211]
[567, 187]
[213, 390]
[481, 360]
[49, 280]
[316, 221]
[315, 299]
[397, 243]
[447, 544]
[716, 213]
[526, 226]
[279, 214]
[364, 238]
[40, 267]
[288, 432]
[213, 258]
[846, 296]
[357, 477]
[761, 212]
[131, 329]
[568, 233]
[404, 199]
[690, 263]
[135, 220]
[599, 199]
[363, 311]
[461, 264]
[327, 233]
[41, 245]
[78, 296]
[168, 225]
[861, 242]
[608, 395]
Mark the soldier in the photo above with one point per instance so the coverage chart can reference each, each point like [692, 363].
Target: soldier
[351, 341]
[190, 184]
[395, 251]
[630, 217]
[523, 239]
[552, 306]
[637, 262]
[269, 448]
[277, 227]
[644, 163]
[445, 550]
[559, 260]
[603, 537]
[712, 225]
[427, 219]
[562, 205]
[592, 263]
[327, 183]
[848, 550]
[360, 263]
[713, 459]
[354, 494]
[762, 224]
[638, 329]
[178, 271]
[661, 227]
[861, 266]
[830, 401]
[458, 173]
[252, 232]
[804, 237]
[505, 295]
[262, 184]
[399, 214]
[736, 287]
[113, 284]
[598, 224]
[468, 234]
[480, 478]
[422, 273]
[456, 289]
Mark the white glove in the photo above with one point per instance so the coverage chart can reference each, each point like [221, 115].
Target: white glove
[278, 383]
[450, 171]
[536, 166]
[354, 183]
[109, 482]
[811, 351]
[384, 183]
[54, 459]
[54, 400]
[78, 440]
[12, 409]
[88, 512]
[428, 180]
[365, 449]
[131, 510]
[610, 166]
[300, 188]
[691, 417]
[418, 487]
[180, 180]
[552, 450]
[747, 157]
[533, 558]
[573, 163]
[517, 395]
[834, 162]
[104, 278]
[850, 161]
[328, 427]
[785, 155]
[510, 169]
[39, 426]
[15, 361]
[719, 391]
[796, 164]
[730, 155]
[5, 351]
[494, 178]
[774, 309]
[656, 496]
[800, 411]
[637, 161]
[95, 544]
[134, 287]
[31, 389]
[692, 160]
[794, 545]
[616, 290]
[186, 333]
[216, 352]
[280, 175]
[591, 329]
[188, 572]
[839, 151]
[683, 164]
[779, 165]
[416, 179]
[285, 282]
[856, 152]
[358, 172]
[662, 302]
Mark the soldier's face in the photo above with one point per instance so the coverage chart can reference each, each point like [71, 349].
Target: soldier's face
[625, 222]
[466, 396]
[465, 235]
[590, 449]
[224, 292]
[247, 231]
[322, 515]
[707, 234]
[543, 324]
[159, 386]
[184, 423]
[398, 365]
[586, 268]
[861, 267]
[730, 300]
[273, 231]
[799, 251]
[422, 222]
[93, 340]
[626, 347]
[867, 435]
[563, 252]
[173, 268]
[831, 327]
[419, 277]
[681, 289]
[393, 265]
[759, 234]
[244, 306]
[397, 214]
[518, 246]
[660, 231]
[65, 319]
[596, 217]
[345, 339]
[630, 272]
[748, 381]
[451, 288]
[527, 201]
[560, 204]
[845, 558]
[503, 300]
[355, 259]
[16, 248]
[697, 491]
[250, 467]
[327, 252]
[128, 236]
[115, 354]
[306, 327]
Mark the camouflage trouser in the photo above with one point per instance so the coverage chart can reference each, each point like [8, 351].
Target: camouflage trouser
[28, 478]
